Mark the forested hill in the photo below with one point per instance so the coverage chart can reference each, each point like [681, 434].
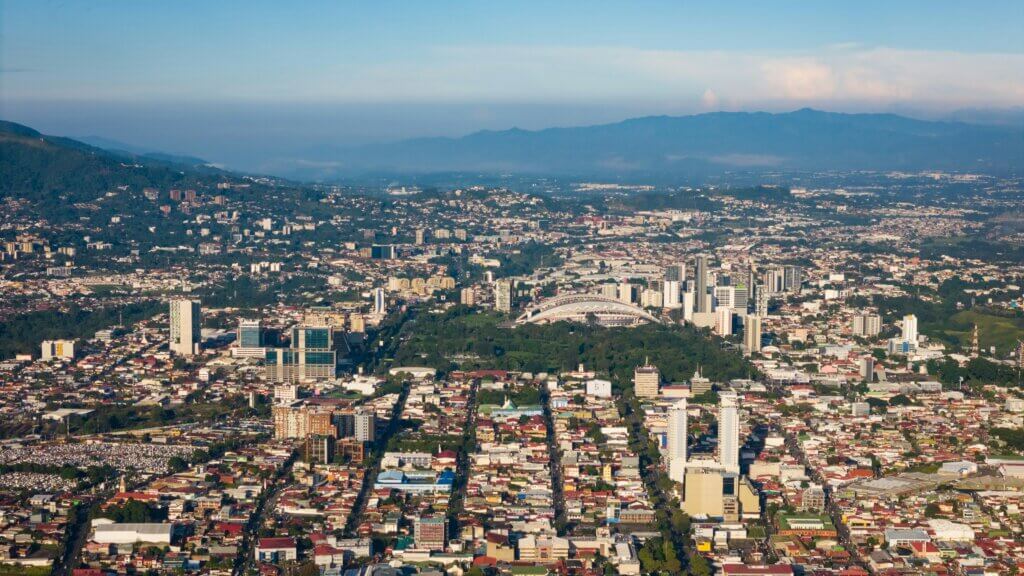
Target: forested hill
[52, 173]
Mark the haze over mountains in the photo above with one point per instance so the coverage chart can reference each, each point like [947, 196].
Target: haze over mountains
[671, 147]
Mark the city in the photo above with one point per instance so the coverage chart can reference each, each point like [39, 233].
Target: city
[486, 369]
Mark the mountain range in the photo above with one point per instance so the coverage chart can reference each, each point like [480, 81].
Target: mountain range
[804, 140]
[655, 147]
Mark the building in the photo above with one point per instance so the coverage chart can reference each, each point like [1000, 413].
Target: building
[467, 297]
[646, 381]
[672, 294]
[130, 533]
[186, 318]
[752, 334]
[910, 329]
[299, 420]
[249, 339]
[725, 296]
[792, 278]
[702, 493]
[760, 300]
[867, 325]
[63, 349]
[383, 252]
[380, 305]
[365, 427]
[276, 550]
[431, 532]
[729, 432]
[723, 321]
[813, 499]
[503, 295]
[867, 368]
[701, 285]
[677, 441]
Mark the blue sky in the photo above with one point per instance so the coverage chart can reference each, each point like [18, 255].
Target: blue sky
[199, 76]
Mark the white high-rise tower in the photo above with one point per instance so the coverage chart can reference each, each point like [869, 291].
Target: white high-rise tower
[677, 441]
[910, 328]
[186, 316]
[729, 432]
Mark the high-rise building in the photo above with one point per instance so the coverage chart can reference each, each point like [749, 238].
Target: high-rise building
[752, 334]
[420, 236]
[430, 532]
[910, 328]
[626, 291]
[792, 278]
[724, 296]
[610, 290]
[677, 441]
[380, 305]
[503, 295]
[867, 325]
[652, 298]
[383, 252]
[671, 294]
[63, 349]
[250, 334]
[729, 432]
[723, 321]
[365, 425]
[701, 284]
[312, 337]
[760, 300]
[676, 273]
[186, 335]
[467, 297]
[646, 381]
[688, 305]
[867, 368]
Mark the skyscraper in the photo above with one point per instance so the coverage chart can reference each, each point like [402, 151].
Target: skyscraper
[671, 294]
[867, 325]
[677, 441]
[723, 321]
[503, 295]
[910, 328]
[792, 278]
[380, 306]
[250, 334]
[701, 285]
[752, 334]
[729, 432]
[186, 317]
[760, 300]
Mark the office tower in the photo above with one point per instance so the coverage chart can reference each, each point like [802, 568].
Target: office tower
[724, 296]
[503, 295]
[676, 272]
[380, 306]
[63, 349]
[729, 432]
[626, 293]
[910, 328]
[430, 532]
[467, 297]
[646, 380]
[760, 300]
[867, 368]
[752, 334]
[867, 325]
[365, 427]
[701, 285]
[741, 298]
[185, 327]
[723, 321]
[671, 293]
[250, 334]
[312, 338]
[310, 357]
[383, 252]
[677, 441]
[792, 278]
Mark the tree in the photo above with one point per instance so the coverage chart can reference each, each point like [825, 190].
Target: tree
[699, 566]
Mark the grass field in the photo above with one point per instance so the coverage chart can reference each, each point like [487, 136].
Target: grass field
[998, 331]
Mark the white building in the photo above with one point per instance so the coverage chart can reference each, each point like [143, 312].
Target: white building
[751, 334]
[671, 294]
[380, 305]
[729, 432]
[599, 388]
[186, 318]
[723, 321]
[64, 349]
[910, 328]
[115, 533]
[677, 441]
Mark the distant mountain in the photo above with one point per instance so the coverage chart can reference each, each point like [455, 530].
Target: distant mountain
[132, 151]
[706, 144]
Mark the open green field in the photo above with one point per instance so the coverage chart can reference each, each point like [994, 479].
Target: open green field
[998, 331]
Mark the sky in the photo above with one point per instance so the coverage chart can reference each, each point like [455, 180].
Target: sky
[252, 84]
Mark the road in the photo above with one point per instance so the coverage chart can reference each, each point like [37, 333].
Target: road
[557, 483]
[268, 499]
[462, 464]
